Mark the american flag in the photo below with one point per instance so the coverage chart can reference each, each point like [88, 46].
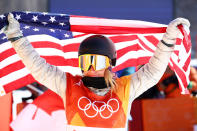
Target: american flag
[56, 37]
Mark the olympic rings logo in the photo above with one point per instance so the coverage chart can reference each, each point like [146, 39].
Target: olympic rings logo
[96, 109]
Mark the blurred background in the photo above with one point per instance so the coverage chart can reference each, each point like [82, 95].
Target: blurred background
[160, 108]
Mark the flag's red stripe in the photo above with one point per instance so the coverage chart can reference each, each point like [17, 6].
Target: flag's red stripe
[128, 38]
[53, 60]
[23, 81]
[132, 62]
[187, 43]
[46, 44]
[152, 40]
[11, 68]
[43, 44]
[76, 36]
[178, 41]
[176, 52]
[115, 30]
[117, 39]
[7, 53]
[123, 51]
[180, 73]
[187, 62]
[186, 38]
[145, 46]
[38, 44]
[71, 47]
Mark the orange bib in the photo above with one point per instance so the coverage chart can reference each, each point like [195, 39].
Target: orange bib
[85, 108]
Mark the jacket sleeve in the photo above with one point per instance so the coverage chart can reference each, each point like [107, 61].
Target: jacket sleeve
[149, 75]
[46, 74]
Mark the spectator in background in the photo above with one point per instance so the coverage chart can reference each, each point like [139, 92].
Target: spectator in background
[168, 86]
[193, 80]
[169, 83]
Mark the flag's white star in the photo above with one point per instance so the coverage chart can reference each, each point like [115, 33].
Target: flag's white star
[45, 13]
[52, 30]
[3, 38]
[35, 18]
[18, 17]
[66, 35]
[52, 19]
[26, 27]
[36, 29]
[2, 16]
[62, 24]
[44, 23]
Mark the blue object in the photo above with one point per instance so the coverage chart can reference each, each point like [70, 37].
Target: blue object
[126, 71]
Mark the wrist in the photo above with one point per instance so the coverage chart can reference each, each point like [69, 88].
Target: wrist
[15, 38]
[168, 45]
[168, 41]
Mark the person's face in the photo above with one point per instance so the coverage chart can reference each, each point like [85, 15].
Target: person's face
[93, 73]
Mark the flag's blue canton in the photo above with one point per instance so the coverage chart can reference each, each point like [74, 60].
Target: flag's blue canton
[3, 20]
[32, 23]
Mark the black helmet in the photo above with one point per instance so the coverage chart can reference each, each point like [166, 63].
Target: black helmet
[98, 44]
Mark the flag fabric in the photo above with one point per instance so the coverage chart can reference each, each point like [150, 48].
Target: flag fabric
[56, 37]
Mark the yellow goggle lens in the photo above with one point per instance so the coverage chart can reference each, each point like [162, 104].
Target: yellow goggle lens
[98, 62]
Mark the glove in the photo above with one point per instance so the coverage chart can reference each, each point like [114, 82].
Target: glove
[13, 29]
[172, 31]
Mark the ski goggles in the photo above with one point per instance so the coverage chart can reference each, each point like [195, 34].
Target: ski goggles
[98, 62]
